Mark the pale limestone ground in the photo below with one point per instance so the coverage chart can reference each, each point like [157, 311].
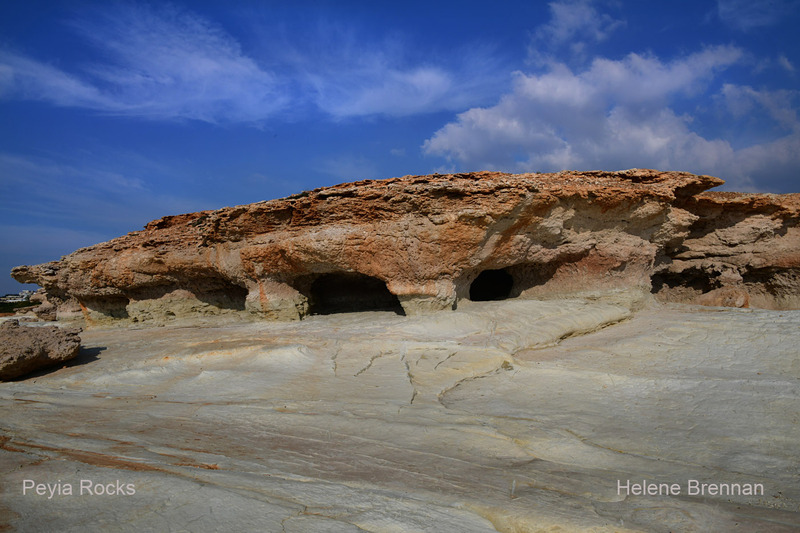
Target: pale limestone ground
[487, 418]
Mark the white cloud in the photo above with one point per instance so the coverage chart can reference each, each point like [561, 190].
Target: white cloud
[784, 62]
[779, 105]
[573, 18]
[345, 74]
[387, 91]
[170, 63]
[39, 81]
[573, 24]
[746, 15]
[614, 115]
[160, 64]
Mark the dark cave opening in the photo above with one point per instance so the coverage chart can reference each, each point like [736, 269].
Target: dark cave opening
[350, 292]
[491, 285]
[691, 278]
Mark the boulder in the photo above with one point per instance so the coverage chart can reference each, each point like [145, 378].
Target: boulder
[28, 348]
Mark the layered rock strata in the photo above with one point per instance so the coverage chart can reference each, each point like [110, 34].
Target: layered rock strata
[742, 250]
[423, 243]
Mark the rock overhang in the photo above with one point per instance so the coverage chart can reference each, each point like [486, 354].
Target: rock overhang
[426, 239]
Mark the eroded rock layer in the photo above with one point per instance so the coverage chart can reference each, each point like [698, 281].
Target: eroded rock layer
[421, 243]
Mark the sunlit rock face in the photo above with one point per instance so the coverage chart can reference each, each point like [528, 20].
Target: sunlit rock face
[512, 416]
[419, 244]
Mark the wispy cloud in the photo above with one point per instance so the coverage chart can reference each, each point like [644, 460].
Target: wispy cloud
[747, 15]
[170, 63]
[780, 106]
[784, 62]
[166, 63]
[345, 73]
[54, 193]
[574, 24]
[573, 18]
[349, 167]
[388, 91]
[34, 80]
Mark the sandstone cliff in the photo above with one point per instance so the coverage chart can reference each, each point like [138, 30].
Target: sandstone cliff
[420, 243]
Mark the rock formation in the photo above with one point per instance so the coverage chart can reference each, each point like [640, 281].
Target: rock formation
[742, 249]
[40, 308]
[25, 349]
[421, 243]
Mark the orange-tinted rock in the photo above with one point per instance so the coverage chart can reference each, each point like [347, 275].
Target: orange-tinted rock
[427, 238]
[747, 244]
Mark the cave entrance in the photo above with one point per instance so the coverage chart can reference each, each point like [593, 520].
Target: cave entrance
[491, 285]
[350, 292]
[691, 279]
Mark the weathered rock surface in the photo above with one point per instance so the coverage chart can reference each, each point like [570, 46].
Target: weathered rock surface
[45, 310]
[473, 420]
[422, 243]
[742, 249]
[25, 349]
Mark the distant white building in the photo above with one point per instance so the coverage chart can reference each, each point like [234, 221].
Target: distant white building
[22, 296]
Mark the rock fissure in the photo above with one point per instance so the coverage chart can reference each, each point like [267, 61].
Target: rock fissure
[372, 359]
[404, 358]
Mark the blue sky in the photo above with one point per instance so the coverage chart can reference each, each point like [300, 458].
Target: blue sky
[116, 113]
